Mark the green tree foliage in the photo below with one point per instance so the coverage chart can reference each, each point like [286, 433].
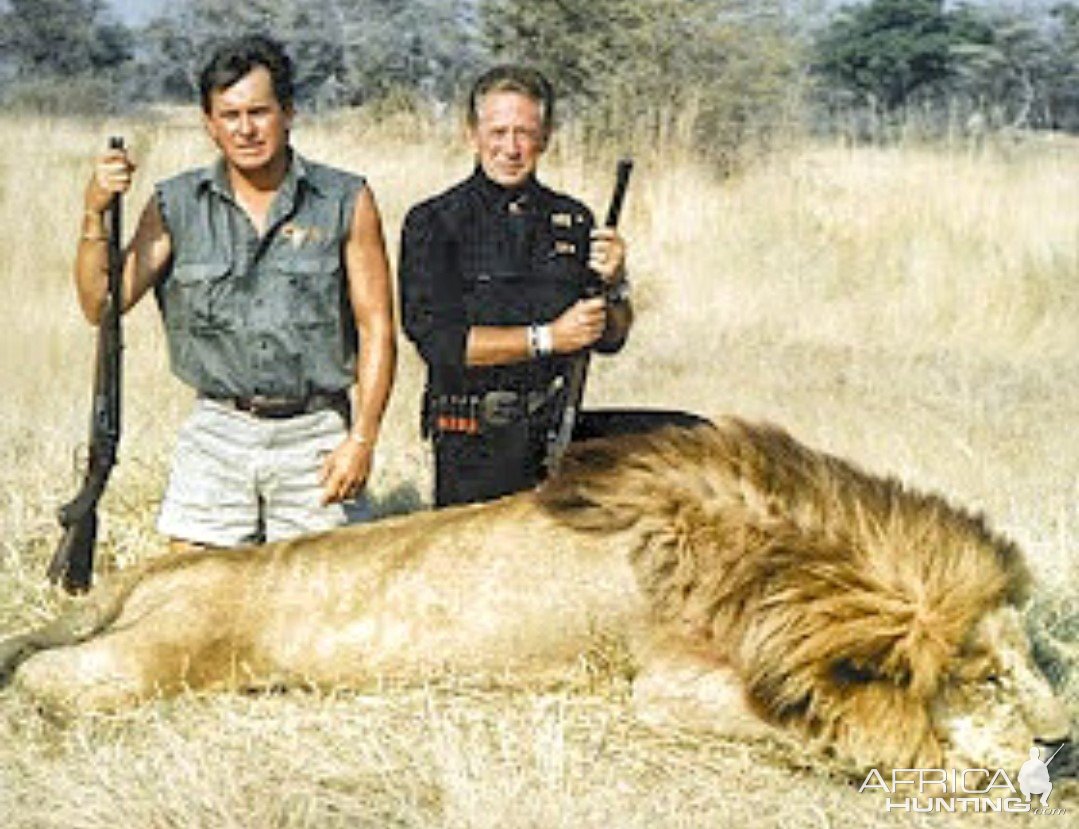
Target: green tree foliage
[1063, 93]
[998, 63]
[718, 75]
[887, 50]
[42, 38]
[994, 65]
[48, 44]
[715, 72]
[175, 46]
[347, 52]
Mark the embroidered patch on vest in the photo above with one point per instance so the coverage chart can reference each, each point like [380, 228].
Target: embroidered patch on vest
[298, 235]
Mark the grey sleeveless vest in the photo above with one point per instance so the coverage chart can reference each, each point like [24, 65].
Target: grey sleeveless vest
[249, 315]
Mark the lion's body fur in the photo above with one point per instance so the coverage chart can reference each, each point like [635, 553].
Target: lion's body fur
[819, 599]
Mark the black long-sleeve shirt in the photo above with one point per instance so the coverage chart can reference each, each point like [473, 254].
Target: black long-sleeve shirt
[482, 254]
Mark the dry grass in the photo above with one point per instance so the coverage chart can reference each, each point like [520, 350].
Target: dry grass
[913, 309]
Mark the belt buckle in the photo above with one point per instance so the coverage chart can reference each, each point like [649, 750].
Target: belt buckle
[500, 408]
[270, 407]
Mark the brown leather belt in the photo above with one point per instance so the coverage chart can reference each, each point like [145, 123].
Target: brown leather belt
[281, 408]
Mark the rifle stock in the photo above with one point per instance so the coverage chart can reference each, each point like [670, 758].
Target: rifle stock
[578, 372]
[72, 564]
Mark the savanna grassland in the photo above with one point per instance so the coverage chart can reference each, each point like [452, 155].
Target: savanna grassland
[915, 309]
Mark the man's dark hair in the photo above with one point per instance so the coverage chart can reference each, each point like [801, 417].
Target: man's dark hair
[234, 58]
[513, 78]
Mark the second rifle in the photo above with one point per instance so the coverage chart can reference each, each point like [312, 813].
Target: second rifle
[562, 434]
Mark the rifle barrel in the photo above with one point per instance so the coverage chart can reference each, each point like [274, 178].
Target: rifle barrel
[618, 197]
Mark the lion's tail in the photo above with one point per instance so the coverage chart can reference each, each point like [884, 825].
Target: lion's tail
[83, 619]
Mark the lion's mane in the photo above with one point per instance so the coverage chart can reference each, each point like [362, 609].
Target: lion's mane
[837, 596]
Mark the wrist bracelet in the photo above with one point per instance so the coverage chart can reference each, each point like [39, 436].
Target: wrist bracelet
[99, 236]
[546, 341]
[540, 341]
[358, 439]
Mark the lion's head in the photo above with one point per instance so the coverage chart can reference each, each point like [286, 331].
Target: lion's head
[994, 702]
[877, 622]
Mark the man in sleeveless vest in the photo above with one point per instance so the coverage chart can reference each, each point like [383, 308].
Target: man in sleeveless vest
[272, 279]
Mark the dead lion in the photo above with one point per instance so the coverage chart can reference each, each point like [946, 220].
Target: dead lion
[763, 587]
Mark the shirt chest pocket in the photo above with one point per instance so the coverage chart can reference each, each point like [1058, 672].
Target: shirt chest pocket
[197, 298]
[561, 268]
[311, 290]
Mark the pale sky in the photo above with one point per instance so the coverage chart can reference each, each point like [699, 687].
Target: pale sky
[136, 12]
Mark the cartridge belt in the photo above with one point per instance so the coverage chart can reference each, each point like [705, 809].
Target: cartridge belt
[473, 414]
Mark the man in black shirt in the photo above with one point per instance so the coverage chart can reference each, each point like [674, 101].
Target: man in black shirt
[495, 275]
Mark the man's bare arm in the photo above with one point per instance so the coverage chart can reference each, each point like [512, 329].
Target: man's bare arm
[371, 293]
[346, 469]
[146, 255]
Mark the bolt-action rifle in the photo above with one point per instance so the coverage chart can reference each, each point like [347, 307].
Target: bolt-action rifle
[72, 565]
[562, 433]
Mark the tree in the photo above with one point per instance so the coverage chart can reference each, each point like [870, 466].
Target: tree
[61, 37]
[1000, 64]
[713, 71]
[1063, 88]
[177, 44]
[996, 65]
[419, 49]
[886, 51]
[46, 44]
[346, 52]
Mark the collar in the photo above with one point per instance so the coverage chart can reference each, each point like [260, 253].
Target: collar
[498, 198]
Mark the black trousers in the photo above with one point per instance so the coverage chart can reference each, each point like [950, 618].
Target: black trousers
[474, 468]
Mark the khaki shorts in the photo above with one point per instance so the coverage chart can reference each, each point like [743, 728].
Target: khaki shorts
[237, 479]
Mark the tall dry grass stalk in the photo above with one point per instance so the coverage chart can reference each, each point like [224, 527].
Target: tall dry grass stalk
[911, 308]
